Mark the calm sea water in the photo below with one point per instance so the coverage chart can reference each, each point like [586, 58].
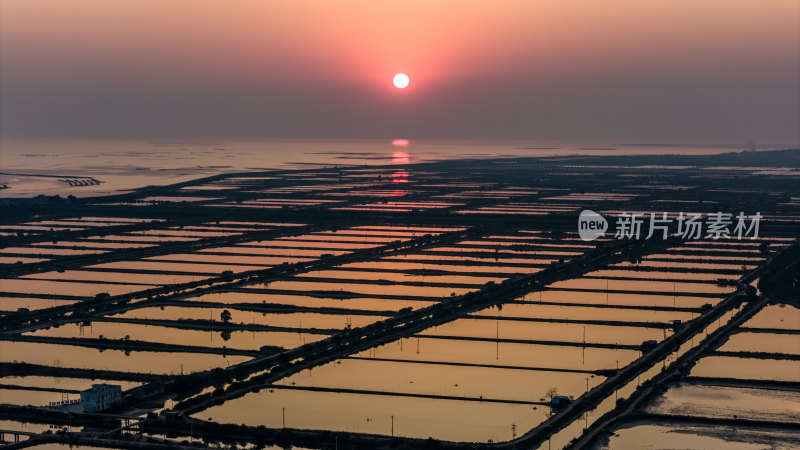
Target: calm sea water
[29, 167]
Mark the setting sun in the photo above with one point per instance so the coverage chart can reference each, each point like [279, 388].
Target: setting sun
[400, 81]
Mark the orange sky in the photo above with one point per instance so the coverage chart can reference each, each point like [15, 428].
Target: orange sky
[616, 69]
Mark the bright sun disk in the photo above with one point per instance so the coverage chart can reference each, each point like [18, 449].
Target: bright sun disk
[400, 81]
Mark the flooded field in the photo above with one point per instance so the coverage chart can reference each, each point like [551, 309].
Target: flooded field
[69, 356]
[726, 401]
[11, 304]
[35, 285]
[747, 368]
[780, 317]
[697, 437]
[412, 417]
[318, 300]
[287, 319]
[244, 340]
[763, 342]
[524, 355]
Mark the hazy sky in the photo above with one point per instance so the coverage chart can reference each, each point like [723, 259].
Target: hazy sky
[722, 71]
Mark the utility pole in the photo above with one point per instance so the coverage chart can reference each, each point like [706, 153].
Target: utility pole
[583, 349]
[283, 414]
[392, 425]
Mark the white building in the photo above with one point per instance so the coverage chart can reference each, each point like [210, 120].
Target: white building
[101, 397]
